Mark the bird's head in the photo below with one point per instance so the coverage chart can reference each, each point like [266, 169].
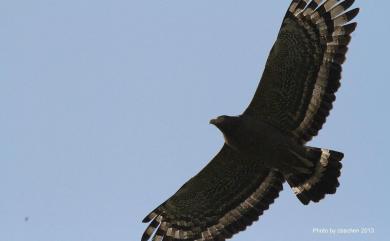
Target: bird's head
[225, 123]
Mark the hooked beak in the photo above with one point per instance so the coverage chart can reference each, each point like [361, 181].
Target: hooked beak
[213, 121]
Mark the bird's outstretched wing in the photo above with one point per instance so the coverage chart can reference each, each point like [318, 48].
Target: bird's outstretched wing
[222, 199]
[303, 70]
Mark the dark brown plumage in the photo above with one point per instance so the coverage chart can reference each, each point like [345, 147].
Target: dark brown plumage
[266, 144]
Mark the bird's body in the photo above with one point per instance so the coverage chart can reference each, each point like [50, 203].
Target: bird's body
[266, 145]
[258, 141]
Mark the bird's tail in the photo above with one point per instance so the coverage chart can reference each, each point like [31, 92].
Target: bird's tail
[323, 177]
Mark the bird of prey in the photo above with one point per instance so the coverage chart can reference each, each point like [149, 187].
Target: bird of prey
[266, 144]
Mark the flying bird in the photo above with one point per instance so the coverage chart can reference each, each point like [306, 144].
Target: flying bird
[266, 145]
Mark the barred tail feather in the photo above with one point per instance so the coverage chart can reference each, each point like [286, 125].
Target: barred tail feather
[323, 179]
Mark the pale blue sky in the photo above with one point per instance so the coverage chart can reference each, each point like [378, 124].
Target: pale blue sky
[104, 109]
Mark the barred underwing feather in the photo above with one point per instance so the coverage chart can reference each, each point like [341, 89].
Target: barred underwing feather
[339, 40]
[316, 34]
[345, 29]
[346, 17]
[321, 15]
[189, 215]
[293, 5]
[159, 235]
[150, 230]
[329, 4]
[334, 58]
[340, 8]
[310, 8]
[151, 216]
[300, 7]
